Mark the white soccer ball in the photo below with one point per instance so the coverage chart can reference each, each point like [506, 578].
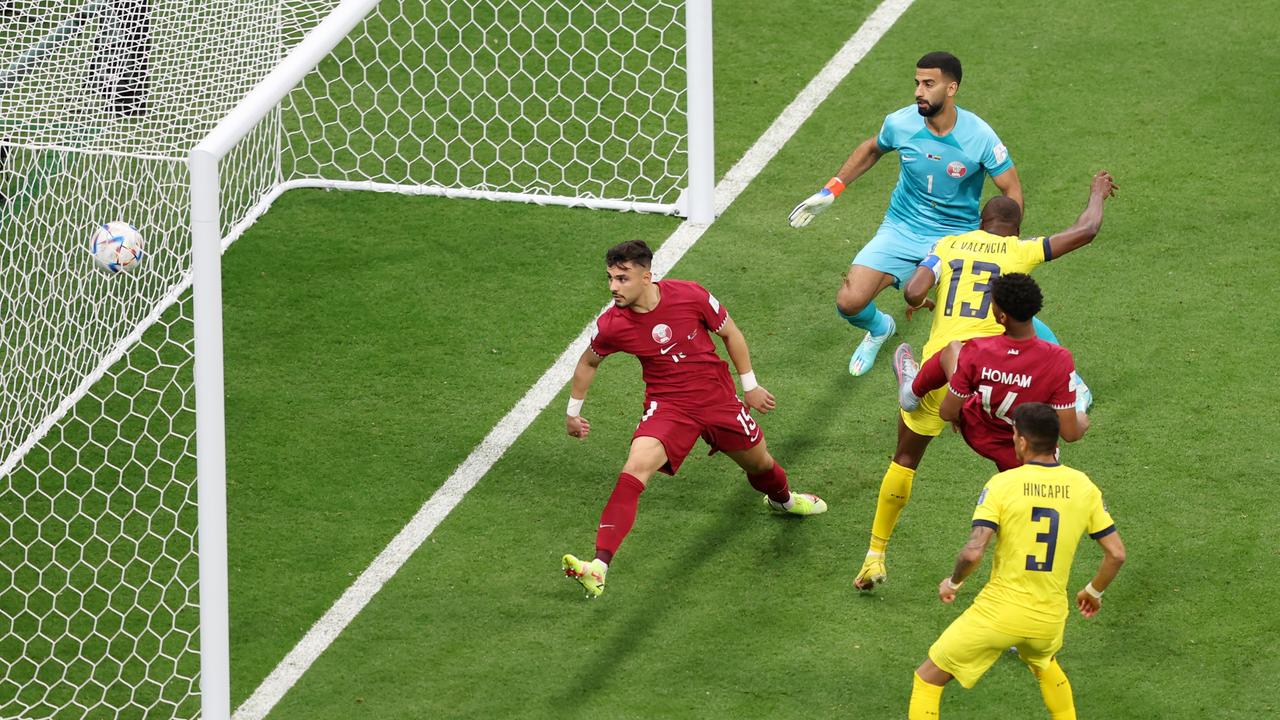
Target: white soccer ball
[116, 247]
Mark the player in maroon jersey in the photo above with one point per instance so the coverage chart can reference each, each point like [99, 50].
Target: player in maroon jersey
[995, 374]
[689, 393]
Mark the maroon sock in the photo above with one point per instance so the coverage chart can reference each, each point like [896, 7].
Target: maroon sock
[618, 516]
[931, 376]
[772, 482]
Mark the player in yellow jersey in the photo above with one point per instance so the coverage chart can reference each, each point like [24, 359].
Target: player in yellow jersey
[962, 267]
[1037, 512]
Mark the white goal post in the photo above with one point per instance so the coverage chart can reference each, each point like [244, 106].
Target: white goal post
[188, 119]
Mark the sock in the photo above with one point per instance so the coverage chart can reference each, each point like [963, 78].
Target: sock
[1056, 691]
[1043, 332]
[925, 699]
[868, 318]
[931, 376]
[618, 516]
[895, 490]
[773, 482]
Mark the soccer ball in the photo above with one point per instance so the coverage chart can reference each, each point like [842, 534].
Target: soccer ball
[116, 247]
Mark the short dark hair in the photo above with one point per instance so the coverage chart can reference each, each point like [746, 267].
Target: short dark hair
[1018, 295]
[631, 251]
[1002, 208]
[1038, 423]
[946, 62]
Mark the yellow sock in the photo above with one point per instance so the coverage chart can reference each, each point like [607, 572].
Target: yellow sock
[925, 699]
[895, 490]
[1056, 691]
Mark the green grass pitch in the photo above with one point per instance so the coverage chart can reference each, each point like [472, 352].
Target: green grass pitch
[397, 363]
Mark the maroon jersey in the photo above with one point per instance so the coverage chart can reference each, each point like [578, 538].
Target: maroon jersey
[996, 374]
[673, 342]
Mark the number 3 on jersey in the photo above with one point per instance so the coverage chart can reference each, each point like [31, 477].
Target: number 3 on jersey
[1048, 537]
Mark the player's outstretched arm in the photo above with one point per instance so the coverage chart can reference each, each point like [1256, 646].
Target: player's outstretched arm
[1089, 600]
[585, 372]
[966, 562]
[1087, 225]
[1072, 424]
[735, 343]
[860, 161]
[1010, 185]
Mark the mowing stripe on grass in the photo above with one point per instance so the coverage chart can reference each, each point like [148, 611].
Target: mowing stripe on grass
[505, 433]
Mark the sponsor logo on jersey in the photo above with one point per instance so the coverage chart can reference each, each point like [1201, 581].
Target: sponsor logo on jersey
[982, 496]
[908, 158]
[931, 156]
[715, 304]
[956, 169]
[1001, 152]
[661, 333]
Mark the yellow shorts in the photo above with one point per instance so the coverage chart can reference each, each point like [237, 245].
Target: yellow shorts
[924, 420]
[969, 647]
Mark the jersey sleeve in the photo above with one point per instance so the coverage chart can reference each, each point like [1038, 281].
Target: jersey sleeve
[600, 341]
[1063, 396]
[995, 158]
[1100, 522]
[987, 513]
[932, 261]
[712, 312]
[886, 139]
[962, 381]
[1028, 253]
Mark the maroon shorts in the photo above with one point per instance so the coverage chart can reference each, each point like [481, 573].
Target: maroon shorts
[726, 426]
[998, 450]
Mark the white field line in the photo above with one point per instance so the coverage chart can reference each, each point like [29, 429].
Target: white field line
[505, 433]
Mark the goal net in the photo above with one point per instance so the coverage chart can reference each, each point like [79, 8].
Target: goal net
[187, 118]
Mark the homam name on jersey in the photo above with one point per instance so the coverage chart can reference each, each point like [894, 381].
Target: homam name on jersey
[1007, 378]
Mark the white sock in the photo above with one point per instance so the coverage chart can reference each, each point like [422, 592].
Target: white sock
[790, 503]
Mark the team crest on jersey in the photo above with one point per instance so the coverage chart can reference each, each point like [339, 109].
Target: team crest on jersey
[956, 169]
[661, 334]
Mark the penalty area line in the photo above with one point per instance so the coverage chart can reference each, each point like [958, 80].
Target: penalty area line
[508, 430]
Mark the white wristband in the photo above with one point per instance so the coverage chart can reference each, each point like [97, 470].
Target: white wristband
[749, 381]
[954, 585]
[575, 406]
[1095, 594]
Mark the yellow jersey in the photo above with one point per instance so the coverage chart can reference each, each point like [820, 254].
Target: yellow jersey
[1039, 513]
[963, 267]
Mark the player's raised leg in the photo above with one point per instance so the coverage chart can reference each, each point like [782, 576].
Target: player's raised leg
[895, 491]
[767, 477]
[646, 457]
[855, 302]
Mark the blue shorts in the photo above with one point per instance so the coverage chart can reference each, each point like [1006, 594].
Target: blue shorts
[896, 250]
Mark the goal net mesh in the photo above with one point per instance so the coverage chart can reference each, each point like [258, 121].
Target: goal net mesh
[100, 104]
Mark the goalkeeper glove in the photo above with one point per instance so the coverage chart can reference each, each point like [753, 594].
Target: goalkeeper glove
[804, 213]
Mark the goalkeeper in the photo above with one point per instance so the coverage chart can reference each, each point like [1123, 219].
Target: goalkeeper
[943, 153]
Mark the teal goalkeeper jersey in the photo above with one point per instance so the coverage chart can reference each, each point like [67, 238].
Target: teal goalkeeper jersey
[940, 178]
